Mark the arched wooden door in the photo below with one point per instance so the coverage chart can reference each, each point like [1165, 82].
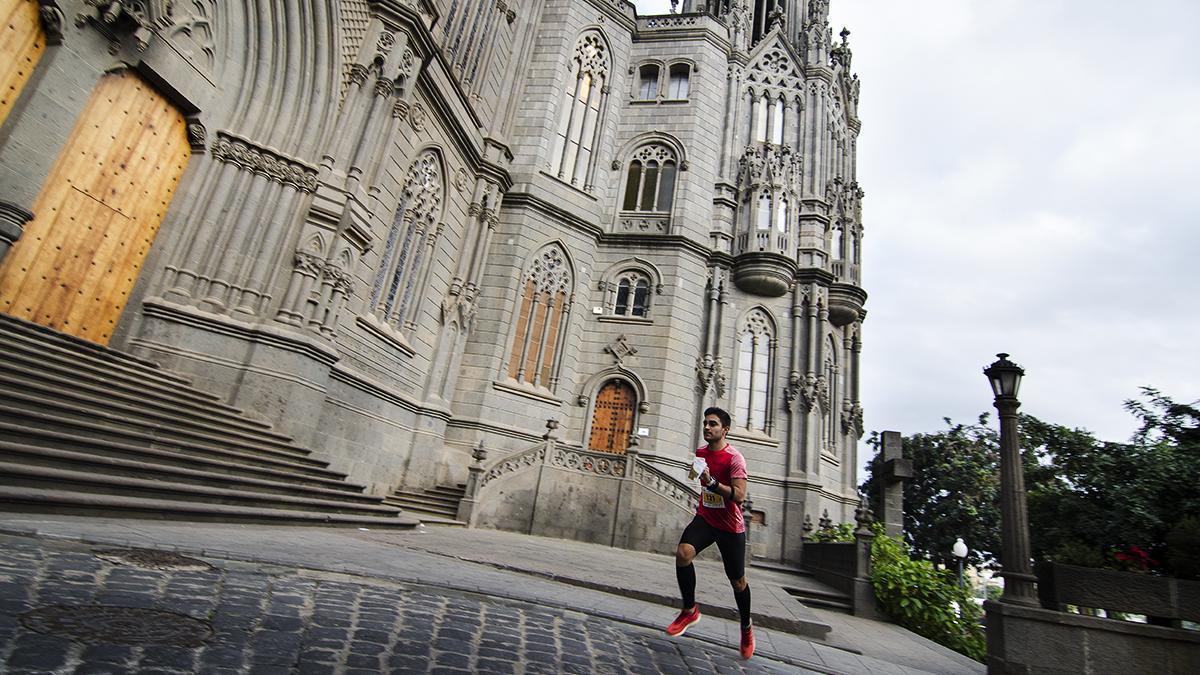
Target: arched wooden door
[612, 418]
[21, 45]
[98, 211]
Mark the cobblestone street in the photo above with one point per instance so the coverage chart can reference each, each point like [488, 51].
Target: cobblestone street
[73, 608]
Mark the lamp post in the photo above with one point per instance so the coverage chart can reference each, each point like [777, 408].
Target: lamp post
[960, 551]
[1019, 581]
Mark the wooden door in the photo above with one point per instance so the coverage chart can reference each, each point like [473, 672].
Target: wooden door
[612, 418]
[21, 45]
[98, 211]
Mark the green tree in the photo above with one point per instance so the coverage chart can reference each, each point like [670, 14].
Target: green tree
[1088, 499]
[953, 492]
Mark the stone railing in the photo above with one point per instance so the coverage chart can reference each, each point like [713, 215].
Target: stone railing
[674, 490]
[1165, 601]
[552, 452]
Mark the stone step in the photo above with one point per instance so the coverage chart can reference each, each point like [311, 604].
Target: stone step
[417, 505]
[144, 405]
[17, 331]
[49, 478]
[168, 470]
[86, 413]
[79, 365]
[824, 602]
[139, 448]
[90, 504]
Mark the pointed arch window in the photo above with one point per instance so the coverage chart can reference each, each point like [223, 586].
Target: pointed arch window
[585, 94]
[541, 320]
[764, 211]
[836, 243]
[760, 120]
[781, 216]
[831, 379]
[650, 183]
[410, 243]
[756, 339]
[777, 122]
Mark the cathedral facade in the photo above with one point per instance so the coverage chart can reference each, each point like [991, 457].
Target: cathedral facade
[512, 245]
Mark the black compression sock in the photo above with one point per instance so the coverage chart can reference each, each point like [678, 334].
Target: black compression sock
[687, 584]
[743, 603]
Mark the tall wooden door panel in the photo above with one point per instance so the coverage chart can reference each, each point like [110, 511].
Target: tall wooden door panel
[21, 45]
[612, 418]
[98, 211]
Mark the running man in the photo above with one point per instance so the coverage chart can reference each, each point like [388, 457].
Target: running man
[718, 519]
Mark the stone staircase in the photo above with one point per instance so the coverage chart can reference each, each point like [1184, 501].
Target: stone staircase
[89, 430]
[436, 504]
[804, 587]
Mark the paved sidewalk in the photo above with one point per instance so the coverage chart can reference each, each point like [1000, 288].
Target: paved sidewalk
[539, 575]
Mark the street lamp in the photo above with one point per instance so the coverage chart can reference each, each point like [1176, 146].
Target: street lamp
[1019, 582]
[960, 551]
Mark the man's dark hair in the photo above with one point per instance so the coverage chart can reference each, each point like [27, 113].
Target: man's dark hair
[726, 420]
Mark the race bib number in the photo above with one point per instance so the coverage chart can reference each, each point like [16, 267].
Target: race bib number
[712, 500]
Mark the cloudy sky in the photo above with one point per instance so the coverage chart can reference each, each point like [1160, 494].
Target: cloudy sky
[1031, 170]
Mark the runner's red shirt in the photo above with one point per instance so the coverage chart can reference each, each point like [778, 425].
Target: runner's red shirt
[724, 465]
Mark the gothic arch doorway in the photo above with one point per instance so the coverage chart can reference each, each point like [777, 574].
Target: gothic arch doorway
[612, 417]
[98, 211]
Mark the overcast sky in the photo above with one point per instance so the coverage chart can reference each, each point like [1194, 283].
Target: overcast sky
[1032, 178]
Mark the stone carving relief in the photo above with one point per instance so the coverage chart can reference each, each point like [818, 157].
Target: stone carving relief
[665, 486]
[141, 19]
[620, 349]
[417, 116]
[710, 374]
[582, 461]
[52, 21]
[197, 135]
[192, 33]
[769, 165]
[517, 462]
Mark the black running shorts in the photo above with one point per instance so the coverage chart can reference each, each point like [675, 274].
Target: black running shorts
[732, 545]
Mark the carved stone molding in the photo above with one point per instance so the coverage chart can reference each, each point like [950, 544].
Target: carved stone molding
[233, 150]
[665, 486]
[12, 224]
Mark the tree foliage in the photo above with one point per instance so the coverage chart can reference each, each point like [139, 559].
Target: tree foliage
[1090, 502]
[953, 492]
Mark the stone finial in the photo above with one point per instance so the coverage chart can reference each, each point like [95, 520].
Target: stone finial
[807, 527]
[825, 523]
[551, 427]
[863, 516]
[480, 453]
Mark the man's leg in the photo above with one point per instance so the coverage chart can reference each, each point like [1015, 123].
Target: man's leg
[696, 537]
[733, 556]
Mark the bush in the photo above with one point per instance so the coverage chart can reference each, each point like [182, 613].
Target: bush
[840, 533]
[921, 598]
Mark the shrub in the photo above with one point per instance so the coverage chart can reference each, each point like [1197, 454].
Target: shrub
[840, 533]
[921, 598]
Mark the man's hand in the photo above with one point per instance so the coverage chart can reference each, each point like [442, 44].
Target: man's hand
[705, 478]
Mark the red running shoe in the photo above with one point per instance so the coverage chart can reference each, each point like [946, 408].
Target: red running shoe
[747, 642]
[685, 619]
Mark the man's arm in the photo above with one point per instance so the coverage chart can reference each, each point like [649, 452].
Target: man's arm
[738, 488]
